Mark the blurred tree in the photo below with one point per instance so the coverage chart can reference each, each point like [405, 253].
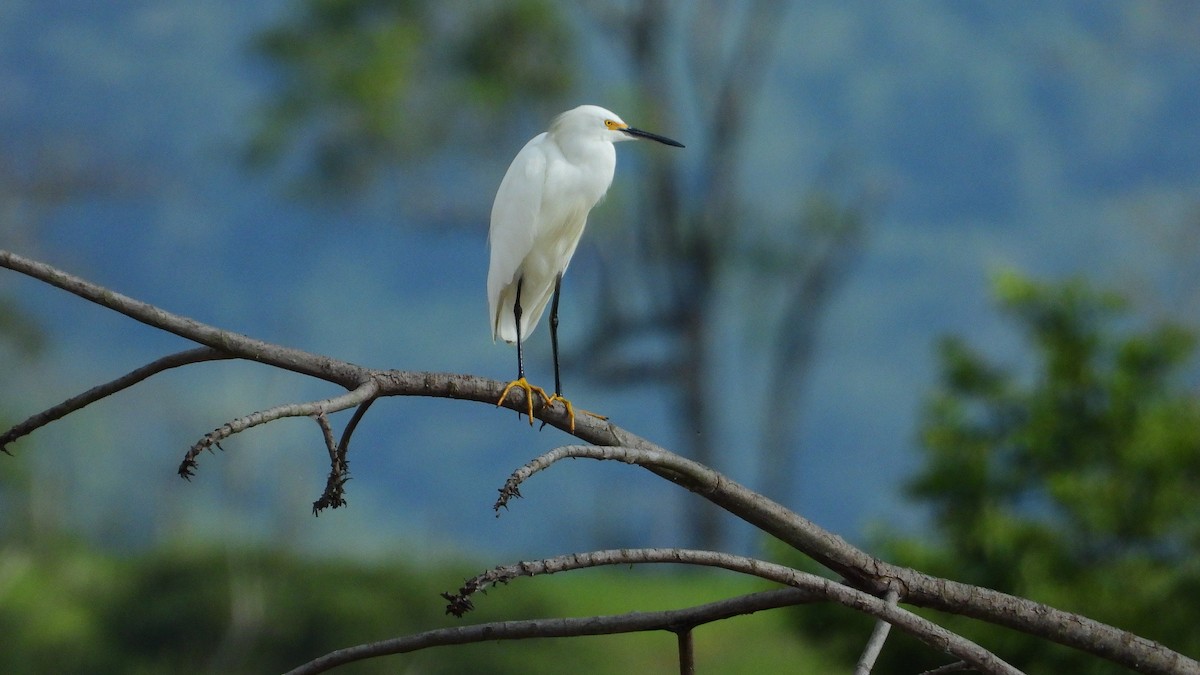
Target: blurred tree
[223, 609]
[19, 339]
[364, 84]
[38, 174]
[687, 249]
[367, 84]
[1070, 480]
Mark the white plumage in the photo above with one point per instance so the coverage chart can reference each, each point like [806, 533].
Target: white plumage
[541, 209]
[539, 214]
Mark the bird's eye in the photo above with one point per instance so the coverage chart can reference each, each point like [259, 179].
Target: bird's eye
[610, 124]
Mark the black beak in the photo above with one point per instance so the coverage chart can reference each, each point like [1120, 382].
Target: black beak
[638, 133]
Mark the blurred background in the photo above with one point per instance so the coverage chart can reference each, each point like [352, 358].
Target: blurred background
[861, 181]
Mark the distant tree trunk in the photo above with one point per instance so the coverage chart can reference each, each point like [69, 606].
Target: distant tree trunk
[683, 252]
[795, 340]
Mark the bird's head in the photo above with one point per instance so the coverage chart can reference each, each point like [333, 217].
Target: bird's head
[593, 120]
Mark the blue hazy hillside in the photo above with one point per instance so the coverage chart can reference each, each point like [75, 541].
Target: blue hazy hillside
[1059, 139]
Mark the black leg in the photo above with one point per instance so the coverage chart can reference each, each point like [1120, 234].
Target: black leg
[517, 322]
[554, 332]
[521, 382]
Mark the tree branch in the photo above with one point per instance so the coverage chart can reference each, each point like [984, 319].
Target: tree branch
[633, 622]
[365, 392]
[94, 394]
[861, 570]
[339, 467]
[870, 654]
[460, 603]
[686, 645]
[233, 344]
[924, 630]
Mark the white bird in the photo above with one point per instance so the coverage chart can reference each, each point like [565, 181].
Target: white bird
[537, 219]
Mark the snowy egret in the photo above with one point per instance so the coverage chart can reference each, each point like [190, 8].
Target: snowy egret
[537, 219]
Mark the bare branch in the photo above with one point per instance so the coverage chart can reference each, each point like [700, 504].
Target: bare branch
[344, 444]
[685, 640]
[550, 628]
[602, 452]
[228, 342]
[232, 345]
[347, 400]
[339, 467]
[339, 471]
[870, 654]
[461, 603]
[326, 432]
[94, 394]
[860, 569]
[928, 632]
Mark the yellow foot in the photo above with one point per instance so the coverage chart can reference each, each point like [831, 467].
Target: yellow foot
[571, 410]
[522, 383]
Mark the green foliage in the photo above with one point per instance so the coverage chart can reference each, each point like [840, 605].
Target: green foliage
[66, 608]
[517, 49]
[20, 338]
[1071, 480]
[364, 84]
[18, 331]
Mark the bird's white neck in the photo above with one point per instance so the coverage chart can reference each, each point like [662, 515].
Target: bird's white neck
[593, 152]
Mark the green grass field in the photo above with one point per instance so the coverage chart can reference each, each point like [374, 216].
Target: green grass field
[210, 610]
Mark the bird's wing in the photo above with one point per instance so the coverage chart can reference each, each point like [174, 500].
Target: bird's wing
[511, 236]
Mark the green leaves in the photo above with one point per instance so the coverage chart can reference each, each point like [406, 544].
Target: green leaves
[519, 49]
[1060, 477]
[364, 86]
[1070, 477]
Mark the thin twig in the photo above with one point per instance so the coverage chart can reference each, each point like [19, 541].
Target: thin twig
[879, 635]
[344, 445]
[339, 372]
[687, 650]
[334, 495]
[94, 394]
[326, 432]
[573, 627]
[351, 398]
[645, 457]
[460, 603]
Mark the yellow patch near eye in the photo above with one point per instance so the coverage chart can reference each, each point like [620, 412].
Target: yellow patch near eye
[613, 125]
